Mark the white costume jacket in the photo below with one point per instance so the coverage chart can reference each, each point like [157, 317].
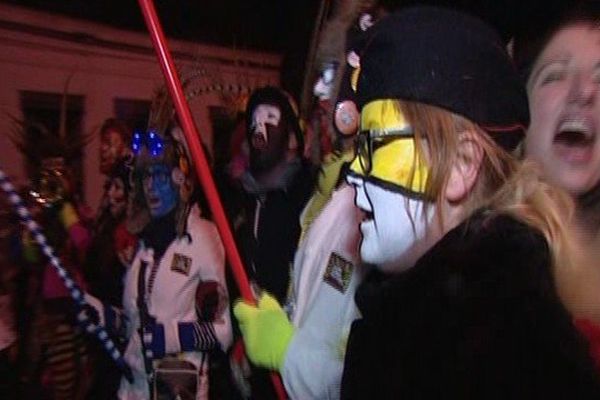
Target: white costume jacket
[171, 298]
[326, 274]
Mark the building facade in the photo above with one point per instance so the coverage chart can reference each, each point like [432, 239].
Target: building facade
[111, 73]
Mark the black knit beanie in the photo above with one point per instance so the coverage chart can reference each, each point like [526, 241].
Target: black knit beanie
[450, 60]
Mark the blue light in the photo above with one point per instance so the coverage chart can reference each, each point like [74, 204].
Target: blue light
[151, 140]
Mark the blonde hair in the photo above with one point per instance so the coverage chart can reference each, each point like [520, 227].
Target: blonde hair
[504, 185]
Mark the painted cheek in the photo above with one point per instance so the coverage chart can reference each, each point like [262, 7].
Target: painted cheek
[168, 197]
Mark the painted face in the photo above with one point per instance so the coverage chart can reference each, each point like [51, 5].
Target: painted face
[324, 85]
[117, 198]
[112, 148]
[268, 137]
[160, 191]
[565, 109]
[389, 179]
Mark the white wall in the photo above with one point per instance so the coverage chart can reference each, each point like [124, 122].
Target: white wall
[38, 52]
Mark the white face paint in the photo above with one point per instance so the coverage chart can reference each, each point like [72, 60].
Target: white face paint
[324, 85]
[390, 240]
[365, 21]
[264, 114]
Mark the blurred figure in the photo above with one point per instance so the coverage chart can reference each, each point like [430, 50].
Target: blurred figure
[335, 89]
[55, 342]
[308, 347]
[110, 253]
[561, 62]
[276, 185]
[8, 305]
[562, 68]
[63, 354]
[115, 136]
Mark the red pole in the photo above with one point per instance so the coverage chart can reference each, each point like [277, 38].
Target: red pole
[199, 159]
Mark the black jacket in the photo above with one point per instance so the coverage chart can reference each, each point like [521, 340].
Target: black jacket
[478, 317]
[269, 254]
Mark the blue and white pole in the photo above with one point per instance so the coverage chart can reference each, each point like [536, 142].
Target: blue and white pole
[74, 289]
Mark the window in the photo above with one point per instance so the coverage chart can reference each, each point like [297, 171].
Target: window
[134, 112]
[41, 112]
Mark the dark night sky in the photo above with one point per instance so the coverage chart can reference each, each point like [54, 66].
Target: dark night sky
[282, 26]
[271, 25]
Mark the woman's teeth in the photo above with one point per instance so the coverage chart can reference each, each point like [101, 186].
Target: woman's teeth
[574, 133]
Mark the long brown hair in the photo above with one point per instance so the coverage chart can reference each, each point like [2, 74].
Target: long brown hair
[504, 184]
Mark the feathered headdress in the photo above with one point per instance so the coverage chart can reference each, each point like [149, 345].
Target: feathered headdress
[165, 143]
[50, 155]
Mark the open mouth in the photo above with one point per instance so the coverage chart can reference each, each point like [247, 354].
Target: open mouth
[575, 133]
[575, 139]
[153, 202]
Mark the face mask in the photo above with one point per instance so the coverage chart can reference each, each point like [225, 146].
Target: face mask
[160, 192]
[389, 178]
[112, 148]
[263, 115]
[324, 85]
[268, 138]
[386, 151]
[393, 227]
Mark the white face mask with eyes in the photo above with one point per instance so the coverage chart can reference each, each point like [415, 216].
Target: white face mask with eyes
[263, 115]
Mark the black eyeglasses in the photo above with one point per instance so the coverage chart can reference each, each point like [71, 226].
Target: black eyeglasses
[369, 140]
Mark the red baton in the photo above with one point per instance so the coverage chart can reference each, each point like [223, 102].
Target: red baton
[199, 160]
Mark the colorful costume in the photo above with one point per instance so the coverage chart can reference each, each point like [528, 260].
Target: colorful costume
[171, 285]
[53, 334]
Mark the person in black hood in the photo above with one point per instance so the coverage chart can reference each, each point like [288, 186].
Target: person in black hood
[276, 186]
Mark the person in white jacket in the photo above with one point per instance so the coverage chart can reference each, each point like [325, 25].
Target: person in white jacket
[175, 302]
[327, 271]
[308, 350]
[180, 251]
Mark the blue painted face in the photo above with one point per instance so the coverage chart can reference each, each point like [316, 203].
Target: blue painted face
[160, 191]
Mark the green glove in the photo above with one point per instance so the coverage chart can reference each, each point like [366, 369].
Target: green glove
[267, 331]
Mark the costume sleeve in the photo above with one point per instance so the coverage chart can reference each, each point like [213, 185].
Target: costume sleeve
[312, 368]
[211, 294]
[79, 235]
[212, 329]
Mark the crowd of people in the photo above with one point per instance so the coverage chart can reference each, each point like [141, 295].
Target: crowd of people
[442, 242]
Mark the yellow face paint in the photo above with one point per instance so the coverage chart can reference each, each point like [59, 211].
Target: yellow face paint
[386, 151]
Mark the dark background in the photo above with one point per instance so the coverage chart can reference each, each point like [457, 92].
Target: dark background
[281, 26]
